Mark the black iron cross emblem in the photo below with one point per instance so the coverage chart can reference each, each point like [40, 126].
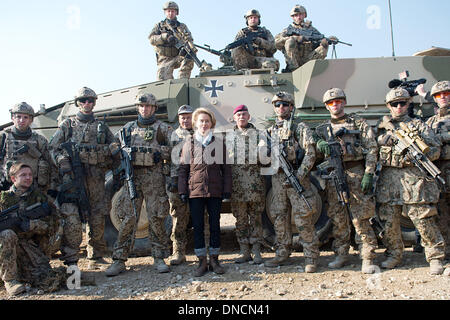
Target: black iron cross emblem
[214, 88]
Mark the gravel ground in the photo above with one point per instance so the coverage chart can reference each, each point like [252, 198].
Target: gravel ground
[248, 281]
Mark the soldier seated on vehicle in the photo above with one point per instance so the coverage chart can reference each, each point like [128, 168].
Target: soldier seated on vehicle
[258, 52]
[22, 259]
[296, 49]
[168, 56]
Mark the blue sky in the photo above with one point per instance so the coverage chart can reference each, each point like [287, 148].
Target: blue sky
[51, 48]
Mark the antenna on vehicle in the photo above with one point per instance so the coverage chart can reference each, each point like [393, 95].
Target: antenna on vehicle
[392, 29]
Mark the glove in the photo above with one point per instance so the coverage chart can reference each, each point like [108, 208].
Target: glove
[64, 165]
[324, 43]
[173, 185]
[184, 198]
[367, 183]
[157, 157]
[171, 40]
[226, 196]
[323, 147]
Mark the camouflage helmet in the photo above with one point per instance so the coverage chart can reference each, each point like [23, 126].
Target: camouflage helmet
[397, 94]
[283, 96]
[145, 98]
[22, 107]
[252, 12]
[85, 92]
[298, 9]
[333, 94]
[439, 87]
[171, 5]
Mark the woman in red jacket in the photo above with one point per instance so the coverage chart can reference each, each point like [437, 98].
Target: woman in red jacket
[204, 180]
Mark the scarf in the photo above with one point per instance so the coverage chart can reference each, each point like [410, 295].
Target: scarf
[85, 117]
[204, 140]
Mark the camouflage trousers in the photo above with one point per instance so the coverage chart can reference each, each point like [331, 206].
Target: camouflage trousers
[362, 208]
[180, 220]
[248, 221]
[72, 226]
[425, 220]
[150, 186]
[286, 200]
[166, 66]
[444, 206]
[297, 55]
[244, 60]
[24, 261]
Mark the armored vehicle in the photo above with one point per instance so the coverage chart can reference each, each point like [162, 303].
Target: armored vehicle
[364, 80]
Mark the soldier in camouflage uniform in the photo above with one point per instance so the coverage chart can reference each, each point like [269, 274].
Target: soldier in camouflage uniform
[440, 124]
[359, 149]
[93, 139]
[150, 138]
[404, 189]
[21, 258]
[299, 147]
[167, 55]
[22, 144]
[297, 50]
[179, 210]
[248, 196]
[264, 46]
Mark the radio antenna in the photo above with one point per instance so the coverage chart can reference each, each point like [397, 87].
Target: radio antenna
[392, 28]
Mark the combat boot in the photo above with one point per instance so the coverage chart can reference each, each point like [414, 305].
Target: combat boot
[339, 262]
[391, 263]
[161, 265]
[310, 265]
[368, 267]
[177, 258]
[277, 261]
[202, 267]
[436, 267]
[214, 265]
[14, 287]
[256, 251]
[115, 269]
[244, 254]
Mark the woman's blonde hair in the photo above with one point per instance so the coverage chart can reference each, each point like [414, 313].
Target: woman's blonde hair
[199, 111]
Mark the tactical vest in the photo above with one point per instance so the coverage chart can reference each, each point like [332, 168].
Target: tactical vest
[167, 50]
[85, 135]
[258, 50]
[291, 145]
[29, 152]
[442, 128]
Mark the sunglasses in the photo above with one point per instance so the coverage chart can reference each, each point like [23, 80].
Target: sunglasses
[279, 104]
[398, 104]
[442, 95]
[86, 100]
[331, 103]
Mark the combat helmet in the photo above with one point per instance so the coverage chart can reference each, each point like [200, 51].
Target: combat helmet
[22, 107]
[333, 94]
[299, 9]
[283, 96]
[171, 5]
[85, 92]
[439, 87]
[146, 98]
[397, 94]
[252, 12]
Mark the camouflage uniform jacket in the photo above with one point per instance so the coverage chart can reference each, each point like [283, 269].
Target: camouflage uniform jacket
[308, 46]
[30, 149]
[179, 136]
[162, 47]
[400, 181]
[94, 150]
[441, 126]
[355, 147]
[266, 46]
[299, 142]
[248, 183]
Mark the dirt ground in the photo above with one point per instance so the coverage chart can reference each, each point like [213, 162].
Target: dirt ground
[248, 281]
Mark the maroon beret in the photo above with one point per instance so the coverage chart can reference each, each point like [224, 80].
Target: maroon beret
[240, 108]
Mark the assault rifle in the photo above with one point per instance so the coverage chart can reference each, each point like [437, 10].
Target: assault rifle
[4, 183]
[333, 169]
[16, 219]
[375, 220]
[75, 190]
[247, 41]
[313, 36]
[411, 144]
[127, 172]
[225, 55]
[184, 43]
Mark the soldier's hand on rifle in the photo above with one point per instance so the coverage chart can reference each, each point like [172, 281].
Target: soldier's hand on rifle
[323, 147]
[64, 165]
[367, 183]
[184, 198]
[324, 43]
[171, 39]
